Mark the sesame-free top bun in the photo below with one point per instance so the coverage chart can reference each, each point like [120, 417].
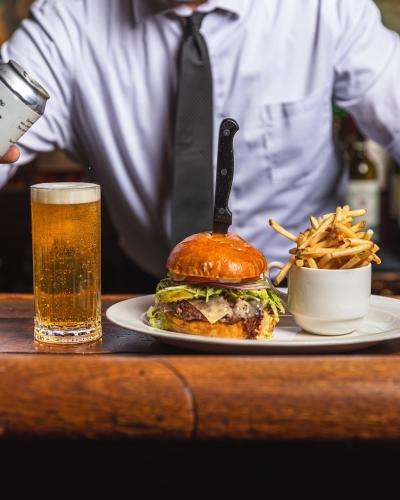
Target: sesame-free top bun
[216, 256]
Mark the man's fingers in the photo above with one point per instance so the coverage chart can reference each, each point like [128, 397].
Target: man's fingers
[11, 156]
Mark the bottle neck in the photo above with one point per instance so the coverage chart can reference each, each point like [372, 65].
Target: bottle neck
[359, 147]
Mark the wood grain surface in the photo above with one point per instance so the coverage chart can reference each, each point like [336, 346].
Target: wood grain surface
[132, 388]
[92, 398]
[294, 398]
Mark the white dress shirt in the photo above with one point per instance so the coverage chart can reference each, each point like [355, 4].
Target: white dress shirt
[110, 68]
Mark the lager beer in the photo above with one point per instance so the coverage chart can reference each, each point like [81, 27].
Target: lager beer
[66, 262]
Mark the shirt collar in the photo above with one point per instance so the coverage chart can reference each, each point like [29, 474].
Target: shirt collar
[146, 8]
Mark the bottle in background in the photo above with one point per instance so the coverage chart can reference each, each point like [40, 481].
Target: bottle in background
[394, 205]
[363, 189]
[394, 192]
[383, 165]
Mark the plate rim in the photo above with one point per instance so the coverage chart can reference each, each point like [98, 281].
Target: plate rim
[318, 341]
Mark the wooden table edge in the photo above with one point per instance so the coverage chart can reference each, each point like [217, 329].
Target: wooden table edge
[199, 398]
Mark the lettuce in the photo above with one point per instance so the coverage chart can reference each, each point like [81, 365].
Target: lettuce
[265, 295]
[156, 318]
[166, 292]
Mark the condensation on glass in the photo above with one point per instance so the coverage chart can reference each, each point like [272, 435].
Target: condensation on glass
[66, 262]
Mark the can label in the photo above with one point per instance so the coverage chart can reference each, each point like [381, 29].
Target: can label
[16, 118]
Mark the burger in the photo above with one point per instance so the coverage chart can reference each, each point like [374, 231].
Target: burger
[215, 288]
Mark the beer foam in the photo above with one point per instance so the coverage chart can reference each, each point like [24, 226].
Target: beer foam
[65, 193]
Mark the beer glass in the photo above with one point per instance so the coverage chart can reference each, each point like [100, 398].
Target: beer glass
[66, 262]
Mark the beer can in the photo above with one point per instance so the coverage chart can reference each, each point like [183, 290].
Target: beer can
[22, 103]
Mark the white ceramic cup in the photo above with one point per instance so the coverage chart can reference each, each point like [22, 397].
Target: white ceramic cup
[327, 301]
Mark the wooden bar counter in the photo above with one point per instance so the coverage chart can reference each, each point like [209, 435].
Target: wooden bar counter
[131, 388]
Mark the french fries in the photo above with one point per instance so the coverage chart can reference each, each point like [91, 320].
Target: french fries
[285, 269]
[282, 231]
[333, 241]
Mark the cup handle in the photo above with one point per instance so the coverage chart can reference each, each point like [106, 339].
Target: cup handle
[276, 265]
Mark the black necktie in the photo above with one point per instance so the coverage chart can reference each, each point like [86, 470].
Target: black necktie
[192, 195]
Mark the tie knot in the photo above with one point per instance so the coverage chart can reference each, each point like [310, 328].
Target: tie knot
[193, 22]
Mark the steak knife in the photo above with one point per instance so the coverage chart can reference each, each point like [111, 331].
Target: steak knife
[225, 170]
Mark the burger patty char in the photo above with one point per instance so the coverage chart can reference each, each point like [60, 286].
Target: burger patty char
[252, 325]
[251, 322]
[184, 310]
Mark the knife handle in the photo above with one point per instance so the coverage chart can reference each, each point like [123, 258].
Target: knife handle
[225, 170]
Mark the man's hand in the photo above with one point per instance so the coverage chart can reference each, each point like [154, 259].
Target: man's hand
[11, 156]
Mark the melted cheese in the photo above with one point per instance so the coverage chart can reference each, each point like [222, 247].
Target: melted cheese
[213, 310]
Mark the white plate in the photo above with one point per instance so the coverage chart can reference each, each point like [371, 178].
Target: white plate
[382, 323]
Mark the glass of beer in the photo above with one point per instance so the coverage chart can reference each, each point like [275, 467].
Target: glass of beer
[66, 262]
